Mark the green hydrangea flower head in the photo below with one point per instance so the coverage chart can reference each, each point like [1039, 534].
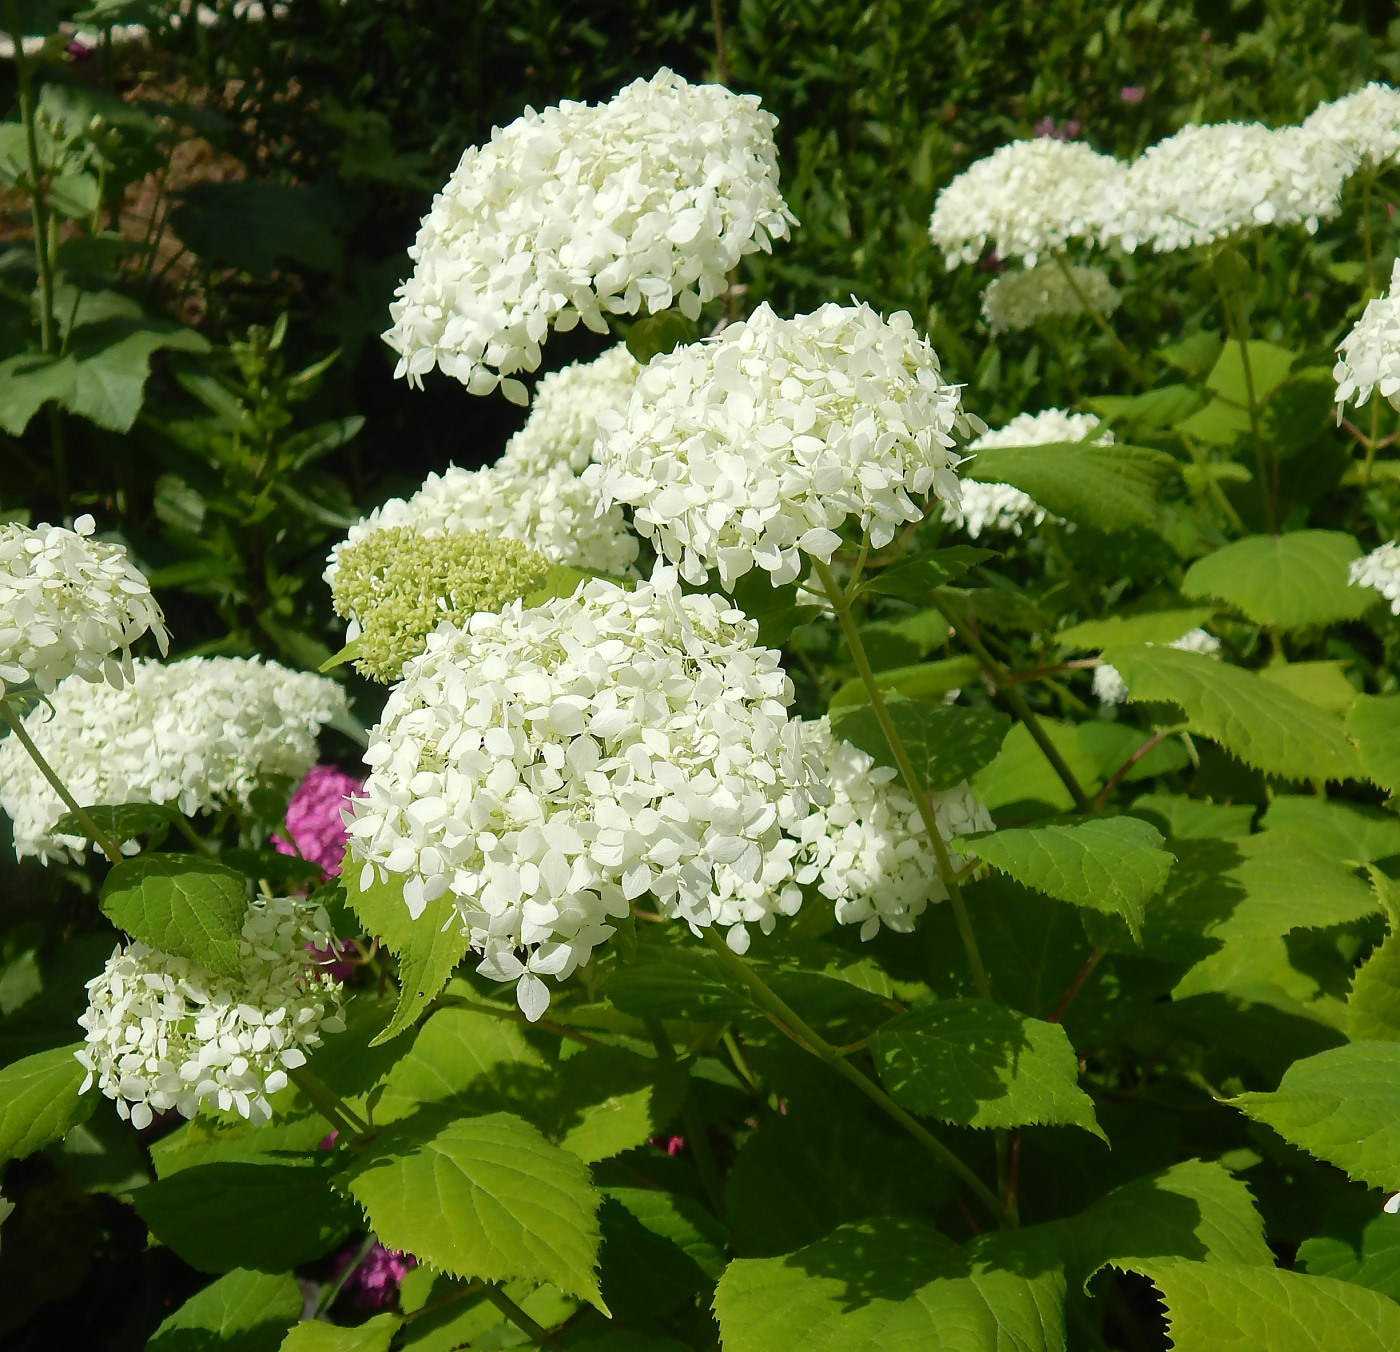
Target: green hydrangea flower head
[396, 586]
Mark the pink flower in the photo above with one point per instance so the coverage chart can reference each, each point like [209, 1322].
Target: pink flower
[1132, 93]
[375, 1280]
[313, 817]
[672, 1145]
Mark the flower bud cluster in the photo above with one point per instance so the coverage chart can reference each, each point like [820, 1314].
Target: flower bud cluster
[1016, 300]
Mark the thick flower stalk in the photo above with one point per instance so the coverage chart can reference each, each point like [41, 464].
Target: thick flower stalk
[1028, 199]
[315, 819]
[1366, 123]
[584, 210]
[1380, 570]
[202, 733]
[1370, 353]
[754, 447]
[1109, 686]
[1016, 300]
[163, 1032]
[69, 606]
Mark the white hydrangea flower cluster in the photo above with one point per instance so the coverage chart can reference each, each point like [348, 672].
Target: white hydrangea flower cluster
[1109, 686]
[69, 605]
[640, 203]
[1027, 198]
[753, 447]
[1380, 569]
[1016, 300]
[201, 733]
[546, 767]
[1370, 353]
[1366, 122]
[1000, 506]
[563, 424]
[163, 1032]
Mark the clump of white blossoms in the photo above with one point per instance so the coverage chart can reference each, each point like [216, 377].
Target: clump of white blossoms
[1380, 569]
[69, 606]
[1208, 182]
[1027, 198]
[546, 767]
[1015, 300]
[163, 1032]
[1000, 506]
[201, 733]
[1109, 686]
[637, 204]
[1366, 123]
[754, 446]
[563, 424]
[1370, 353]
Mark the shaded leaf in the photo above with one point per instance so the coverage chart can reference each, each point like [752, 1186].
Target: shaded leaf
[125, 821]
[315, 1335]
[39, 1101]
[241, 1312]
[914, 578]
[1374, 724]
[946, 743]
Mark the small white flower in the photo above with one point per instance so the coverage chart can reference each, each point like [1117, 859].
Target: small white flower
[163, 1032]
[1110, 687]
[1392, 1204]
[634, 205]
[1367, 123]
[1380, 569]
[69, 605]
[1016, 299]
[1370, 353]
[755, 446]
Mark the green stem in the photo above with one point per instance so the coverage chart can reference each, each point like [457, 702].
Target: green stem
[797, 1027]
[946, 870]
[694, 1123]
[518, 1317]
[1367, 180]
[329, 1104]
[1124, 355]
[193, 836]
[1007, 687]
[105, 842]
[515, 1016]
[333, 1289]
[1265, 466]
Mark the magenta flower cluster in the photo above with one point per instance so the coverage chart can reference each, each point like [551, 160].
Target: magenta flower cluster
[313, 817]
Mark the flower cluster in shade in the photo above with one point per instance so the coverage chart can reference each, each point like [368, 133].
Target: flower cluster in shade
[164, 1033]
[755, 446]
[69, 606]
[580, 211]
[375, 1280]
[1109, 686]
[1380, 569]
[1016, 300]
[314, 816]
[1000, 506]
[201, 733]
[1370, 353]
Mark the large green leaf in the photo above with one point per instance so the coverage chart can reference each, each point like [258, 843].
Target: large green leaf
[1113, 864]
[39, 1101]
[182, 904]
[946, 743]
[1157, 626]
[1020, 772]
[680, 1219]
[428, 948]
[1346, 832]
[125, 821]
[978, 1064]
[888, 1286]
[1284, 581]
[1370, 1258]
[1109, 487]
[1374, 724]
[913, 579]
[484, 1197]
[919, 680]
[265, 1216]
[315, 1335]
[1258, 722]
[241, 1312]
[1342, 1105]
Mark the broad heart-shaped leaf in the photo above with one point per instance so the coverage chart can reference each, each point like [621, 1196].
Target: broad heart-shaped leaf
[914, 578]
[1113, 864]
[1342, 1105]
[1231, 1307]
[315, 1335]
[39, 1101]
[1254, 720]
[1284, 581]
[975, 1063]
[1158, 626]
[946, 743]
[1374, 725]
[265, 1216]
[1108, 487]
[428, 948]
[125, 821]
[888, 1286]
[1268, 369]
[484, 1197]
[181, 904]
[241, 1312]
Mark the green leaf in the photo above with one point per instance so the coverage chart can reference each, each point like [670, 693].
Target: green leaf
[125, 821]
[913, 579]
[1342, 1105]
[978, 1064]
[1347, 832]
[681, 1220]
[923, 680]
[236, 1214]
[315, 1335]
[39, 1101]
[1020, 773]
[1112, 864]
[1219, 423]
[1373, 1008]
[1261, 724]
[1157, 626]
[1108, 487]
[212, 1140]
[74, 195]
[1373, 1259]
[1268, 369]
[1374, 725]
[241, 1312]
[1194, 355]
[110, 363]
[775, 609]
[428, 948]
[1286, 582]
[182, 904]
[888, 1286]
[1321, 683]
[946, 743]
[484, 1197]
[1149, 411]
[560, 581]
[27, 382]
[657, 334]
